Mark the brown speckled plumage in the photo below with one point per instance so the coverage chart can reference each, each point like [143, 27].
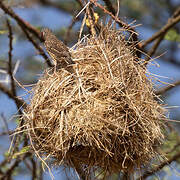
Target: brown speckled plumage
[58, 51]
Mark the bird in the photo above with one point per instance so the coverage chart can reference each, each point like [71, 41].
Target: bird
[58, 51]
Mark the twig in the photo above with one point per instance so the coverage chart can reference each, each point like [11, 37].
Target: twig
[73, 22]
[40, 171]
[5, 123]
[158, 168]
[6, 133]
[25, 26]
[80, 3]
[10, 71]
[9, 172]
[167, 88]
[10, 95]
[162, 33]
[110, 6]
[34, 169]
[19, 20]
[174, 148]
[131, 30]
[153, 49]
[171, 22]
[118, 20]
[39, 48]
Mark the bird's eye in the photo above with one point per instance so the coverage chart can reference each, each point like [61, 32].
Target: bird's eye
[43, 35]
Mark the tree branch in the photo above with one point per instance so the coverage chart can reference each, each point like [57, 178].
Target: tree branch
[110, 6]
[20, 102]
[10, 71]
[171, 22]
[39, 48]
[167, 88]
[20, 21]
[158, 168]
[25, 26]
[131, 30]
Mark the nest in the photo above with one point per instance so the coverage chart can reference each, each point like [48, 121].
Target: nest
[105, 115]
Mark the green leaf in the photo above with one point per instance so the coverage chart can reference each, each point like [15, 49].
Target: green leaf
[3, 31]
[172, 35]
[22, 151]
[6, 154]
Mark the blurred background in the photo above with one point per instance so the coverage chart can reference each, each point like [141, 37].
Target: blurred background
[58, 15]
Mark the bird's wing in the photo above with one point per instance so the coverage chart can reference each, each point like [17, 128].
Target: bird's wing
[58, 52]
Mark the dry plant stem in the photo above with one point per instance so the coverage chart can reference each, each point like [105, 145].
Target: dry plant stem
[167, 88]
[19, 20]
[158, 168]
[171, 22]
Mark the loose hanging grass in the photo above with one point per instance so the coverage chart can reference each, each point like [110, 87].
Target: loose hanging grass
[105, 115]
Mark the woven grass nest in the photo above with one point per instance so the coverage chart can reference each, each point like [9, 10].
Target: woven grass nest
[105, 115]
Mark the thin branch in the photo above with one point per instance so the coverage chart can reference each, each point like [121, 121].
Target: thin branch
[26, 26]
[158, 168]
[171, 22]
[40, 176]
[80, 3]
[73, 22]
[20, 102]
[110, 6]
[6, 133]
[174, 148]
[34, 169]
[9, 172]
[167, 88]
[5, 123]
[131, 30]
[19, 20]
[39, 48]
[10, 68]
[154, 48]
[118, 20]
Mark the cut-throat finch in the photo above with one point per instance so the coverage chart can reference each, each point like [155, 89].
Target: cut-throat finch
[57, 50]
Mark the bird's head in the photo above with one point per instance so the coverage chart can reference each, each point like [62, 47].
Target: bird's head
[45, 32]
